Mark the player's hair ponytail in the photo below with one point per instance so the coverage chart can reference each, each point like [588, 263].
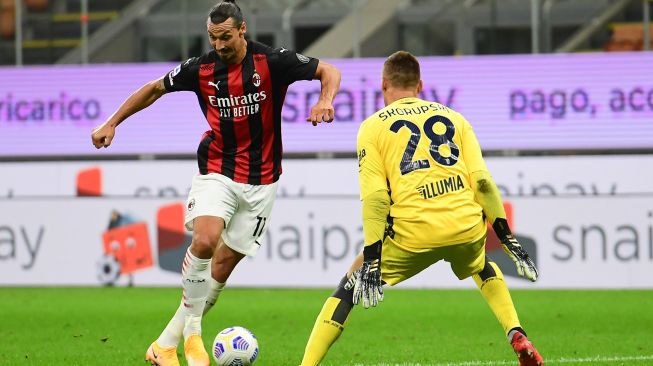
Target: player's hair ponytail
[225, 10]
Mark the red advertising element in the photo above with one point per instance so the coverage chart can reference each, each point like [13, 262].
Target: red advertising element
[492, 241]
[89, 182]
[130, 245]
[171, 230]
[173, 239]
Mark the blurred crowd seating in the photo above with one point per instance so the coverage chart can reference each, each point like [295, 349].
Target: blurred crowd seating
[51, 28]
[8, 13]
[627, 37]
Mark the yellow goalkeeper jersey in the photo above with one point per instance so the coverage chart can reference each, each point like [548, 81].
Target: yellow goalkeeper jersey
[423, 153]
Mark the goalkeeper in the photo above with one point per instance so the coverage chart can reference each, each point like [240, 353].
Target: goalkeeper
[426, 194]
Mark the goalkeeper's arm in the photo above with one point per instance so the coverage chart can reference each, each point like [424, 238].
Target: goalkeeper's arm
[376, 207]
[367, 279]
[487, 195]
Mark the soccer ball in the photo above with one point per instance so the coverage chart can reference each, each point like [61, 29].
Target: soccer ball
[235, 346]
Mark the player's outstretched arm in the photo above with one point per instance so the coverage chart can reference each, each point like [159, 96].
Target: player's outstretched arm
[487, 195]
[103, 134]
[329, 77]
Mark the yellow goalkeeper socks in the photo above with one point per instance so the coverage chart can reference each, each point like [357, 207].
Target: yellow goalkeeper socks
[329, 325]
[495, 292]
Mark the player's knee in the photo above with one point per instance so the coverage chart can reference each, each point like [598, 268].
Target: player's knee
[344, 305]
[204, 244]
[489, 271]
[343, 294]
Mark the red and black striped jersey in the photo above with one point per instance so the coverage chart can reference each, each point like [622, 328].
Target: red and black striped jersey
[242, 104]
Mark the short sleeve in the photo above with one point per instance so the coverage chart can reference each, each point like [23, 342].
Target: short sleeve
[471, 149]
[184, 77]
[294, 66]
[371, 172]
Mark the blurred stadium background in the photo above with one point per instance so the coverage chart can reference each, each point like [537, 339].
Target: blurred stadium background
[560, 93]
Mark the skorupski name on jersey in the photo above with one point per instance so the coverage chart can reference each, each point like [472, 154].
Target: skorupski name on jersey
[441, 187]
[405, 110]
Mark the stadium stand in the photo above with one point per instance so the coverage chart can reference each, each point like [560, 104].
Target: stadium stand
[157, 30]
[627, 37]
[52, 27]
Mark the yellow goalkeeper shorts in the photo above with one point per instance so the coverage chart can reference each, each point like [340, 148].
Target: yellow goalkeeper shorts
[399, 264]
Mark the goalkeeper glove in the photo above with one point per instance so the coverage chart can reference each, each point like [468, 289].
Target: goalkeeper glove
[366, 280]
[524, 263]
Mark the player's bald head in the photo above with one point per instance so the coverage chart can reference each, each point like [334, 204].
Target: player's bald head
[401, 70]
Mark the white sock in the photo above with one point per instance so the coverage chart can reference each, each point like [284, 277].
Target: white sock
[172, 333]
[192, 326]
[215, 288]
[194, 274]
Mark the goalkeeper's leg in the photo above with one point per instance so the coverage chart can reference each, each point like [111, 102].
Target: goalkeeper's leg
[495, 292]
[329, 324]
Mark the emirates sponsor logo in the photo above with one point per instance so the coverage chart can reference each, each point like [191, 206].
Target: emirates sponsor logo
[235, 101]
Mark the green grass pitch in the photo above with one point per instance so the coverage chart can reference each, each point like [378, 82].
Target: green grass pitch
[114, 326]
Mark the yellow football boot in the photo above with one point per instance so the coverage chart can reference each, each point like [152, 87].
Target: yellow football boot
[160, 356]
[195, 353]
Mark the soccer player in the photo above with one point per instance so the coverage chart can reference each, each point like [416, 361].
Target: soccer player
[426, 193]
[240, 85]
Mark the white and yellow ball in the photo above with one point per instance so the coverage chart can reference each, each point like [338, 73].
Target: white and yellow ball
[235, 346]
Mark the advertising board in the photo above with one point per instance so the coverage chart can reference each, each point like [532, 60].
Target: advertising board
[525, 102]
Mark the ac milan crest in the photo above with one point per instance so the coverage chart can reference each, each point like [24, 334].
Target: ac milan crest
[191, 204]
[256, 79]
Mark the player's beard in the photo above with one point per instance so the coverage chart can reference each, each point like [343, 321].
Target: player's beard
[227, 54]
